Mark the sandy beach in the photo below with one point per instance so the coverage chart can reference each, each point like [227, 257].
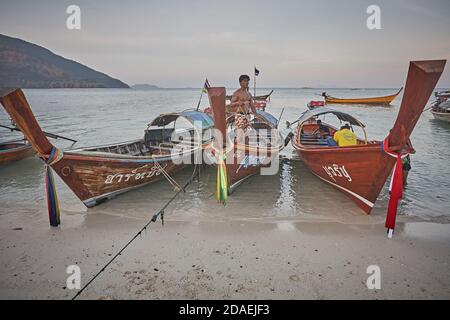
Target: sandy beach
[222, 260]
[283, 236]
[324, 131]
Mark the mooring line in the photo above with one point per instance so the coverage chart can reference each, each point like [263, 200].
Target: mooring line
[153, 219]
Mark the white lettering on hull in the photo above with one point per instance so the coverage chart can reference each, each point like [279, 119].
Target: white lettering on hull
[336, 171]
[155, 170]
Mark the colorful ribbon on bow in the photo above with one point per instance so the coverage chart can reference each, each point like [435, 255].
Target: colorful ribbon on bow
[52, 198]
[222, 181]
[395, 187]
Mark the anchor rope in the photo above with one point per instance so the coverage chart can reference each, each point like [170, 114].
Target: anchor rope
[171, 180]
[160, 213]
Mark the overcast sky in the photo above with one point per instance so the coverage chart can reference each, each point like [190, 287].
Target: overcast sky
[293, 43]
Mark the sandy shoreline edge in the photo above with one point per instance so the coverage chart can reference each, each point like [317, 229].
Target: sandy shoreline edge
[224, 260]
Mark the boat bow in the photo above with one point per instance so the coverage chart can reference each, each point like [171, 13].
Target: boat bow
[15, 103]
[360, 171]
[420, 83]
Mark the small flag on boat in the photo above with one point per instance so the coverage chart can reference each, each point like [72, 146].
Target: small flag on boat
[256, 72]
[206, 86]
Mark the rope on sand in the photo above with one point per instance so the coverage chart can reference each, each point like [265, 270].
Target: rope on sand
[160, 213]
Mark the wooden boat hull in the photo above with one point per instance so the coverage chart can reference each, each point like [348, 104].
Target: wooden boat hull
[359, 172]
[386, 100]
[245, 164]
[248, 151]
[95, 179]
[442, 116]
[98, 173]
[14, 151]
[242, 163]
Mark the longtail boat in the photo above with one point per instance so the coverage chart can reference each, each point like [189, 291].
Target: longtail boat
[11, 151]
[386, 100]
[442, 94]
[315, 104]
[360, 171]
[240, 152]
[441, 111]
[98, 173]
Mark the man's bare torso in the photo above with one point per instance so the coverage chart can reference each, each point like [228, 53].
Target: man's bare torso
[242, 99]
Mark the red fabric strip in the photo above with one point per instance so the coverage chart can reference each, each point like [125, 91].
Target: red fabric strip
[397, 187]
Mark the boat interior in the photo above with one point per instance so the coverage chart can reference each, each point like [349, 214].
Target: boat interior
[161, 137]
[155, 142]
[443, 107]
[311, 134]
[261, 128]
[312, 137]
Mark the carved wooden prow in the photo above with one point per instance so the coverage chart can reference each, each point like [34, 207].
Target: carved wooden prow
[15, 103]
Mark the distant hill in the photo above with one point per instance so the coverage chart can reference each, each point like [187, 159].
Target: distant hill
[24, 64]
[144, 87]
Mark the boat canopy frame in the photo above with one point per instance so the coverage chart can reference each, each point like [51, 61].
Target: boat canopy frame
[194, 117]
[342, 116]
[325, 110]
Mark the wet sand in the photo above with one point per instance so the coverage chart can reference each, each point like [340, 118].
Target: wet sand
[222, 259]
[288, 236]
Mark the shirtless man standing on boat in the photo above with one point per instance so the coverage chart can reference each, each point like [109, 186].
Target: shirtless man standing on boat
[242, 98]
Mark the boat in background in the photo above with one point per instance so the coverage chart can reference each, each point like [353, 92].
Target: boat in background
[11, 151]
[315, 104]
[240, 157]
[386, 100]
[261, 102]
[441, 110]
[360, 171]
[442, 95]
[16, 150]
[96, 174]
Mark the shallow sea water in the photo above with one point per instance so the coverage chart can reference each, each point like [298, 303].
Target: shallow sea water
[97, 116]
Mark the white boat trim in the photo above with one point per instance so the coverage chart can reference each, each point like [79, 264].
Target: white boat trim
[362, 199]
